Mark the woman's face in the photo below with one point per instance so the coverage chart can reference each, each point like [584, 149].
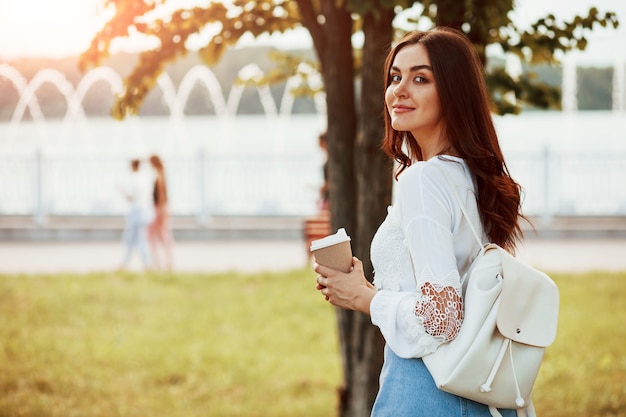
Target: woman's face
[411, 97]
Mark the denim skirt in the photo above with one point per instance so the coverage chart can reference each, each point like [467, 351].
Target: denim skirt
[407, 390]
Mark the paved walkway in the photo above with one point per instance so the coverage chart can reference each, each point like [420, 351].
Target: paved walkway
[555, 255]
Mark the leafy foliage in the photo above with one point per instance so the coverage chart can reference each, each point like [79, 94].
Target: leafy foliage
[527, 91]
[486, 22]
[173, 31]
[547, 36]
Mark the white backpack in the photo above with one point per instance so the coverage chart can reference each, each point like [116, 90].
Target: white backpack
[511, 316]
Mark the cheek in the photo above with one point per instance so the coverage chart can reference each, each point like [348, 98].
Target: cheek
[433, 103]
[437, 105]
[389, 97]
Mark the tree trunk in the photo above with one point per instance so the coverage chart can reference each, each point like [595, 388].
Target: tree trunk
[373, 167]
[362, 342]
[358, 206]
[338, 72]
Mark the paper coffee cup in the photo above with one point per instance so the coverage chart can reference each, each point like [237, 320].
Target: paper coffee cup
[334, 251]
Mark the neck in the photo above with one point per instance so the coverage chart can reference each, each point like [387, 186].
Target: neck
[432, 141]
[433, 147]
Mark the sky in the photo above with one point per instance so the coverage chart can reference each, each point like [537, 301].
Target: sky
[59, 28]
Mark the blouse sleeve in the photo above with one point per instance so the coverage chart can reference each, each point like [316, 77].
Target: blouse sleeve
[415, 323]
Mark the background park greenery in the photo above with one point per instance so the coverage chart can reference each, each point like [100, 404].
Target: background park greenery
[109, 344]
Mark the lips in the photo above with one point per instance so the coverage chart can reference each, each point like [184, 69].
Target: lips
[400, 108]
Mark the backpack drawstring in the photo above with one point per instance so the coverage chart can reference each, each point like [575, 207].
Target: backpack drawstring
[519, 401]
[486, 387]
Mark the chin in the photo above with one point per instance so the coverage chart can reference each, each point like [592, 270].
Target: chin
[397, 125]
[401, 127]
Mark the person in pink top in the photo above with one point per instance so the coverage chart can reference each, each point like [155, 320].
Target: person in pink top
[159, 231]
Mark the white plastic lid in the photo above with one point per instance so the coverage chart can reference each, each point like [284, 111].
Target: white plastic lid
[339, 237]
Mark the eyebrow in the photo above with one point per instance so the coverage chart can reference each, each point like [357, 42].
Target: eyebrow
[414, 68]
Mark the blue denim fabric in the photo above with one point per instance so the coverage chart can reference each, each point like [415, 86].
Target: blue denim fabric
[135, 236]
[408, 390]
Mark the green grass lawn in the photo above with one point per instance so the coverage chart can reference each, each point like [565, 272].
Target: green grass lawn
[584, 371]
[106, 345]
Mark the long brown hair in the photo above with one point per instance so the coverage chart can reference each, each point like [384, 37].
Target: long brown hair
[468, 126]
[159, 193]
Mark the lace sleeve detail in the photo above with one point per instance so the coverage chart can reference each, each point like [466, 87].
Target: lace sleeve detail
[439, 306]
[440, 310]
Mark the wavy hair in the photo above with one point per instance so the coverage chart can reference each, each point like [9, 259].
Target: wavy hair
[160, 186]
[468, 126]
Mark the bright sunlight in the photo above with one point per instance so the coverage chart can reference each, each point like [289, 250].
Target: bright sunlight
[52, 28]
[61, 28]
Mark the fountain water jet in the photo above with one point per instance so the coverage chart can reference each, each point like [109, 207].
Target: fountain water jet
[20, 83]
[107, 74]
[54, 77]
[314, 80]
[251, 72]
[203, 75]
[75, 115]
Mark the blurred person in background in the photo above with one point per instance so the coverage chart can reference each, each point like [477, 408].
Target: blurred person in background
[323, 199]
[159, 233]
[136, 189]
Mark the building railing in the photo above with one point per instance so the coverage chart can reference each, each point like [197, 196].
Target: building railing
[201, 185]
[198, 185]
[571, 183]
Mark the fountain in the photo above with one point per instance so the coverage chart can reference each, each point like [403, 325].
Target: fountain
[174, 98]
[203, 75]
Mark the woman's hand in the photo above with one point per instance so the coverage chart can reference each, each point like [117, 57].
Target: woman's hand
[350, 291]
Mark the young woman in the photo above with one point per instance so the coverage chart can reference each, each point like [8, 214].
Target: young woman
[159, 233]
[440, 131]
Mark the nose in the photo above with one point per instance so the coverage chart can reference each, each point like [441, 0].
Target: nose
[399, 90]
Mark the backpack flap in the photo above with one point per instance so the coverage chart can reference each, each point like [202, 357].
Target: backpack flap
[529, 308]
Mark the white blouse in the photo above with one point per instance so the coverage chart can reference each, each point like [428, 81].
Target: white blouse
[419, 254]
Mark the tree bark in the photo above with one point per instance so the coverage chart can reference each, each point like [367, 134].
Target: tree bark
[373, 167]
[337, 64]
[362, 342]
[333, 44]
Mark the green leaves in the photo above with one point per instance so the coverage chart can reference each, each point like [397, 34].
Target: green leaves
[485, 22]
[511, 95]
[547, 36]
[173, 31]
